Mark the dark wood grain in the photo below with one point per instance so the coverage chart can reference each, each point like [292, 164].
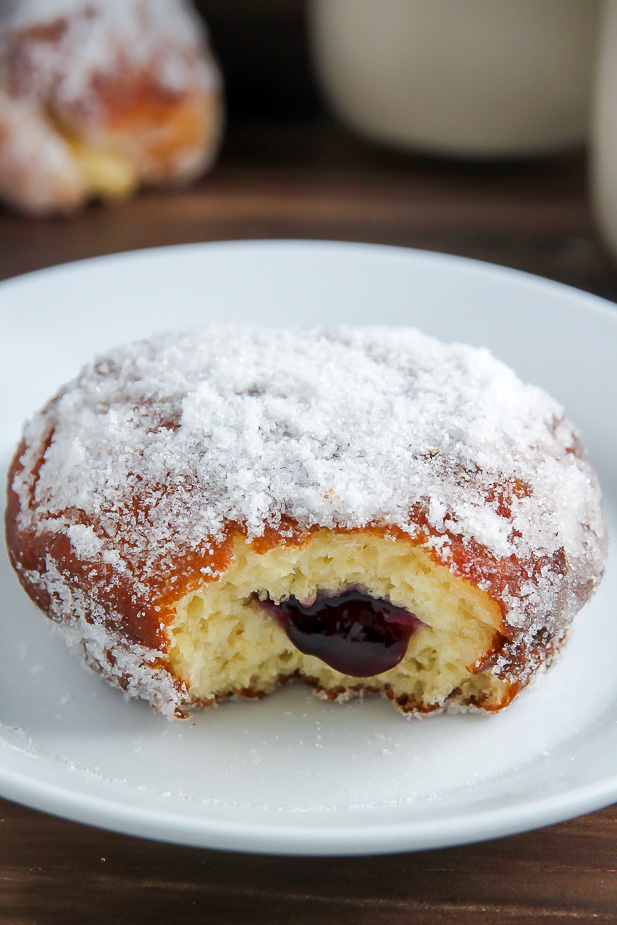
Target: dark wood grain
[313, 180]
[57, 871]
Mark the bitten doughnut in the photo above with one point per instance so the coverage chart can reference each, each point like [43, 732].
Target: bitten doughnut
[98, 97]
[210, 513]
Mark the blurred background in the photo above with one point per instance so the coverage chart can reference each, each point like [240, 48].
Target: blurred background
[304, 154]
[263, 49]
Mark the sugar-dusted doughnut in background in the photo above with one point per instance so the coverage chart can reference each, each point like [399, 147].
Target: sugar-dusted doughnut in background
[98, 98]
[191, 505]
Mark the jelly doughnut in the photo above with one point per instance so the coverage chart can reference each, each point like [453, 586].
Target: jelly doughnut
[210, 513]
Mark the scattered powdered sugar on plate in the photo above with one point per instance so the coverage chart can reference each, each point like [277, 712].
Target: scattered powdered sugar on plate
[16, 738]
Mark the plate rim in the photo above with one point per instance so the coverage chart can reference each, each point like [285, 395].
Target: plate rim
[596, 302]
[266, 838]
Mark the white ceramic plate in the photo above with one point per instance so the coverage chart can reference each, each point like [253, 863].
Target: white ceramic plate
[291, 774]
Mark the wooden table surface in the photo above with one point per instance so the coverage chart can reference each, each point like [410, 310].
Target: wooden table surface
[312, 180]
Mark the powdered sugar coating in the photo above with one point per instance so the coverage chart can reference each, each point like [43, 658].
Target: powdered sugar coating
[340, 428]
[84, 39]
[36, 166]
[90, 634]
[159, 451]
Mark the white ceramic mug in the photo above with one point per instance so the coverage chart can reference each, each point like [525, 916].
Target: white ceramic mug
[604, 130]
[471, 78]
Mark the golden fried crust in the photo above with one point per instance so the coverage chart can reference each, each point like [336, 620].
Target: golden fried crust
[146, 607]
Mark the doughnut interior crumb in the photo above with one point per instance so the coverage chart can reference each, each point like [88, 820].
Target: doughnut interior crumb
[222, 642]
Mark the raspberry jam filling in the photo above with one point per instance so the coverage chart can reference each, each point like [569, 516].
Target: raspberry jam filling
[351, 632]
